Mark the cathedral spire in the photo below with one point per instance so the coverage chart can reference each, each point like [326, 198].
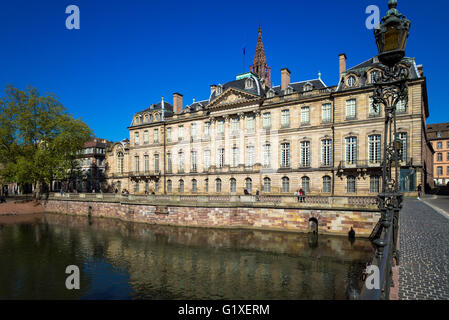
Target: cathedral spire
[259, 66]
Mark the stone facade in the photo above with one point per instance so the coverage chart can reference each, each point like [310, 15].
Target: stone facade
[438, 135]
[247, 135]
[330, 221]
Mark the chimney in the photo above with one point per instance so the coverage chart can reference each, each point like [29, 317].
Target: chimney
[177, 103]
[342, 62]
[285, 78]
[212, 88]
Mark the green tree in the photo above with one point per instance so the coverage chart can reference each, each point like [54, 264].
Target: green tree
[39, 139]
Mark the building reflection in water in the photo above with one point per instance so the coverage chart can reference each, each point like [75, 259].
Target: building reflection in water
[163, 262]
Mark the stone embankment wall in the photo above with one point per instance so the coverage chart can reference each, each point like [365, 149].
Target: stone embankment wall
[330, 221]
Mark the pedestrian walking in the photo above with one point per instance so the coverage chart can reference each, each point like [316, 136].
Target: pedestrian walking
[302, 195]
[419, 191]
[257, 195]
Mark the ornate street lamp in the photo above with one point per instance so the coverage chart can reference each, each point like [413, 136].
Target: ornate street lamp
[391, 87]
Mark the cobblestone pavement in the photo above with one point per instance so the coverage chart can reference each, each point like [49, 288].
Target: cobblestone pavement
[424, 248]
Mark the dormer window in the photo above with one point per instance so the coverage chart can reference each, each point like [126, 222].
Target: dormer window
[351, 81]
[270, 93]
[308, 87]
[219, 90]
[156, 117]
[289, 90]
[374, 76]
[249, 83]
[146, 118]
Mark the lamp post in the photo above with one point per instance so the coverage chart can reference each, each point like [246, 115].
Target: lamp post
[390, 87]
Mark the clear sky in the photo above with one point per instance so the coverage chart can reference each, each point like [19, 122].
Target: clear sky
[127, 54]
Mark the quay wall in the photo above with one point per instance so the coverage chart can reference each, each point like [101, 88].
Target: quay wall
[210, 215]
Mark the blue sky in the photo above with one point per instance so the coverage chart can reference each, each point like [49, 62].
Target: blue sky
[127, 54]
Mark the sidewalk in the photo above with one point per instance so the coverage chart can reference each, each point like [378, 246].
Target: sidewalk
[424, 252]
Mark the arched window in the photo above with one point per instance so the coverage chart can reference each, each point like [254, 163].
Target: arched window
[233, 185]
[120, 162]
[327, 184]
[218, 185]
[267, 185]
[248, 185]
[305, 184]
[285, 185]
[194, 186]
[351, 187]
[351, 81]
[169, 186]
[181, 186]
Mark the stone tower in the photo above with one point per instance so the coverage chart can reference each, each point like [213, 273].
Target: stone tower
[259, 66]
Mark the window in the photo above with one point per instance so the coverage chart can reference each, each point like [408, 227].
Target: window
[249, 83]
[235, 156]
[250, 123]
[146, 118]
[285, 185]
[156, 162]
[350, 109]
[250, 155]
[374, 109]
[168, 134]
[447, 156]
[147, 187]
[180, 161]
[305, 154]
[350, 188]
[374, 149]
[285, 118]
[221, 157]
[194, 130]
[180, 133]
[206, 159]
[327, 184]
[439, 157]
[146, 163]
[233, 185]
[181, 186]
[305, 115]
[305, 184]
[194, 186]
[285, 155]
[136, 188]
[351, 81]
[194, 161]
[439, 145]
[374, 184]
[403, 154]
[120, 162]
[235, 125]
[207, 129]
[206, 185]
[326, 152]
[156, 136]
[136, 138]
[218, 185]
[145, 137]
[221, 126]
[351, 150]
[326, 110]
[401, 106]
[156, 186]
[136, 164]
[267, 120]
[169, 163]
[248, 185]
[169, 186]
[374, 76]
[438, 134]
[267, 156]
[267, 185]
[447, 170]
[439, 171]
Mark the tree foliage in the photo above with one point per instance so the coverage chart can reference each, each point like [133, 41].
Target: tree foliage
[39, 139]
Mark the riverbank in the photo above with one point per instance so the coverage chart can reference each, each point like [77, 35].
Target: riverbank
[13, 208]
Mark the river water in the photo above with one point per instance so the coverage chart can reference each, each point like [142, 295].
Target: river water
[123, 260]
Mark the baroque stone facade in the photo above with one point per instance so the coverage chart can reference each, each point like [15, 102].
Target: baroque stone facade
[438, 135]
[250, 136]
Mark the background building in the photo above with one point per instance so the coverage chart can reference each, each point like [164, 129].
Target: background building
[438, 135]
[249, 135]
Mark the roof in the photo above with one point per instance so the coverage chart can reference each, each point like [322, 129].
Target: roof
[361, 70]
[257, 88]
[299, 86]
[435, 128]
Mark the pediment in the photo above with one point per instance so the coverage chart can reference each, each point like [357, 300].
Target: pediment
[231, 97]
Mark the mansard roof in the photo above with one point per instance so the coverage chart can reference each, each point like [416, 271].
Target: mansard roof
[257, 88]
[299, 86]
[361, 70]
[158, 106]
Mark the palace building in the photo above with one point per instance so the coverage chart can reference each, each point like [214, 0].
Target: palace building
[251, 135]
